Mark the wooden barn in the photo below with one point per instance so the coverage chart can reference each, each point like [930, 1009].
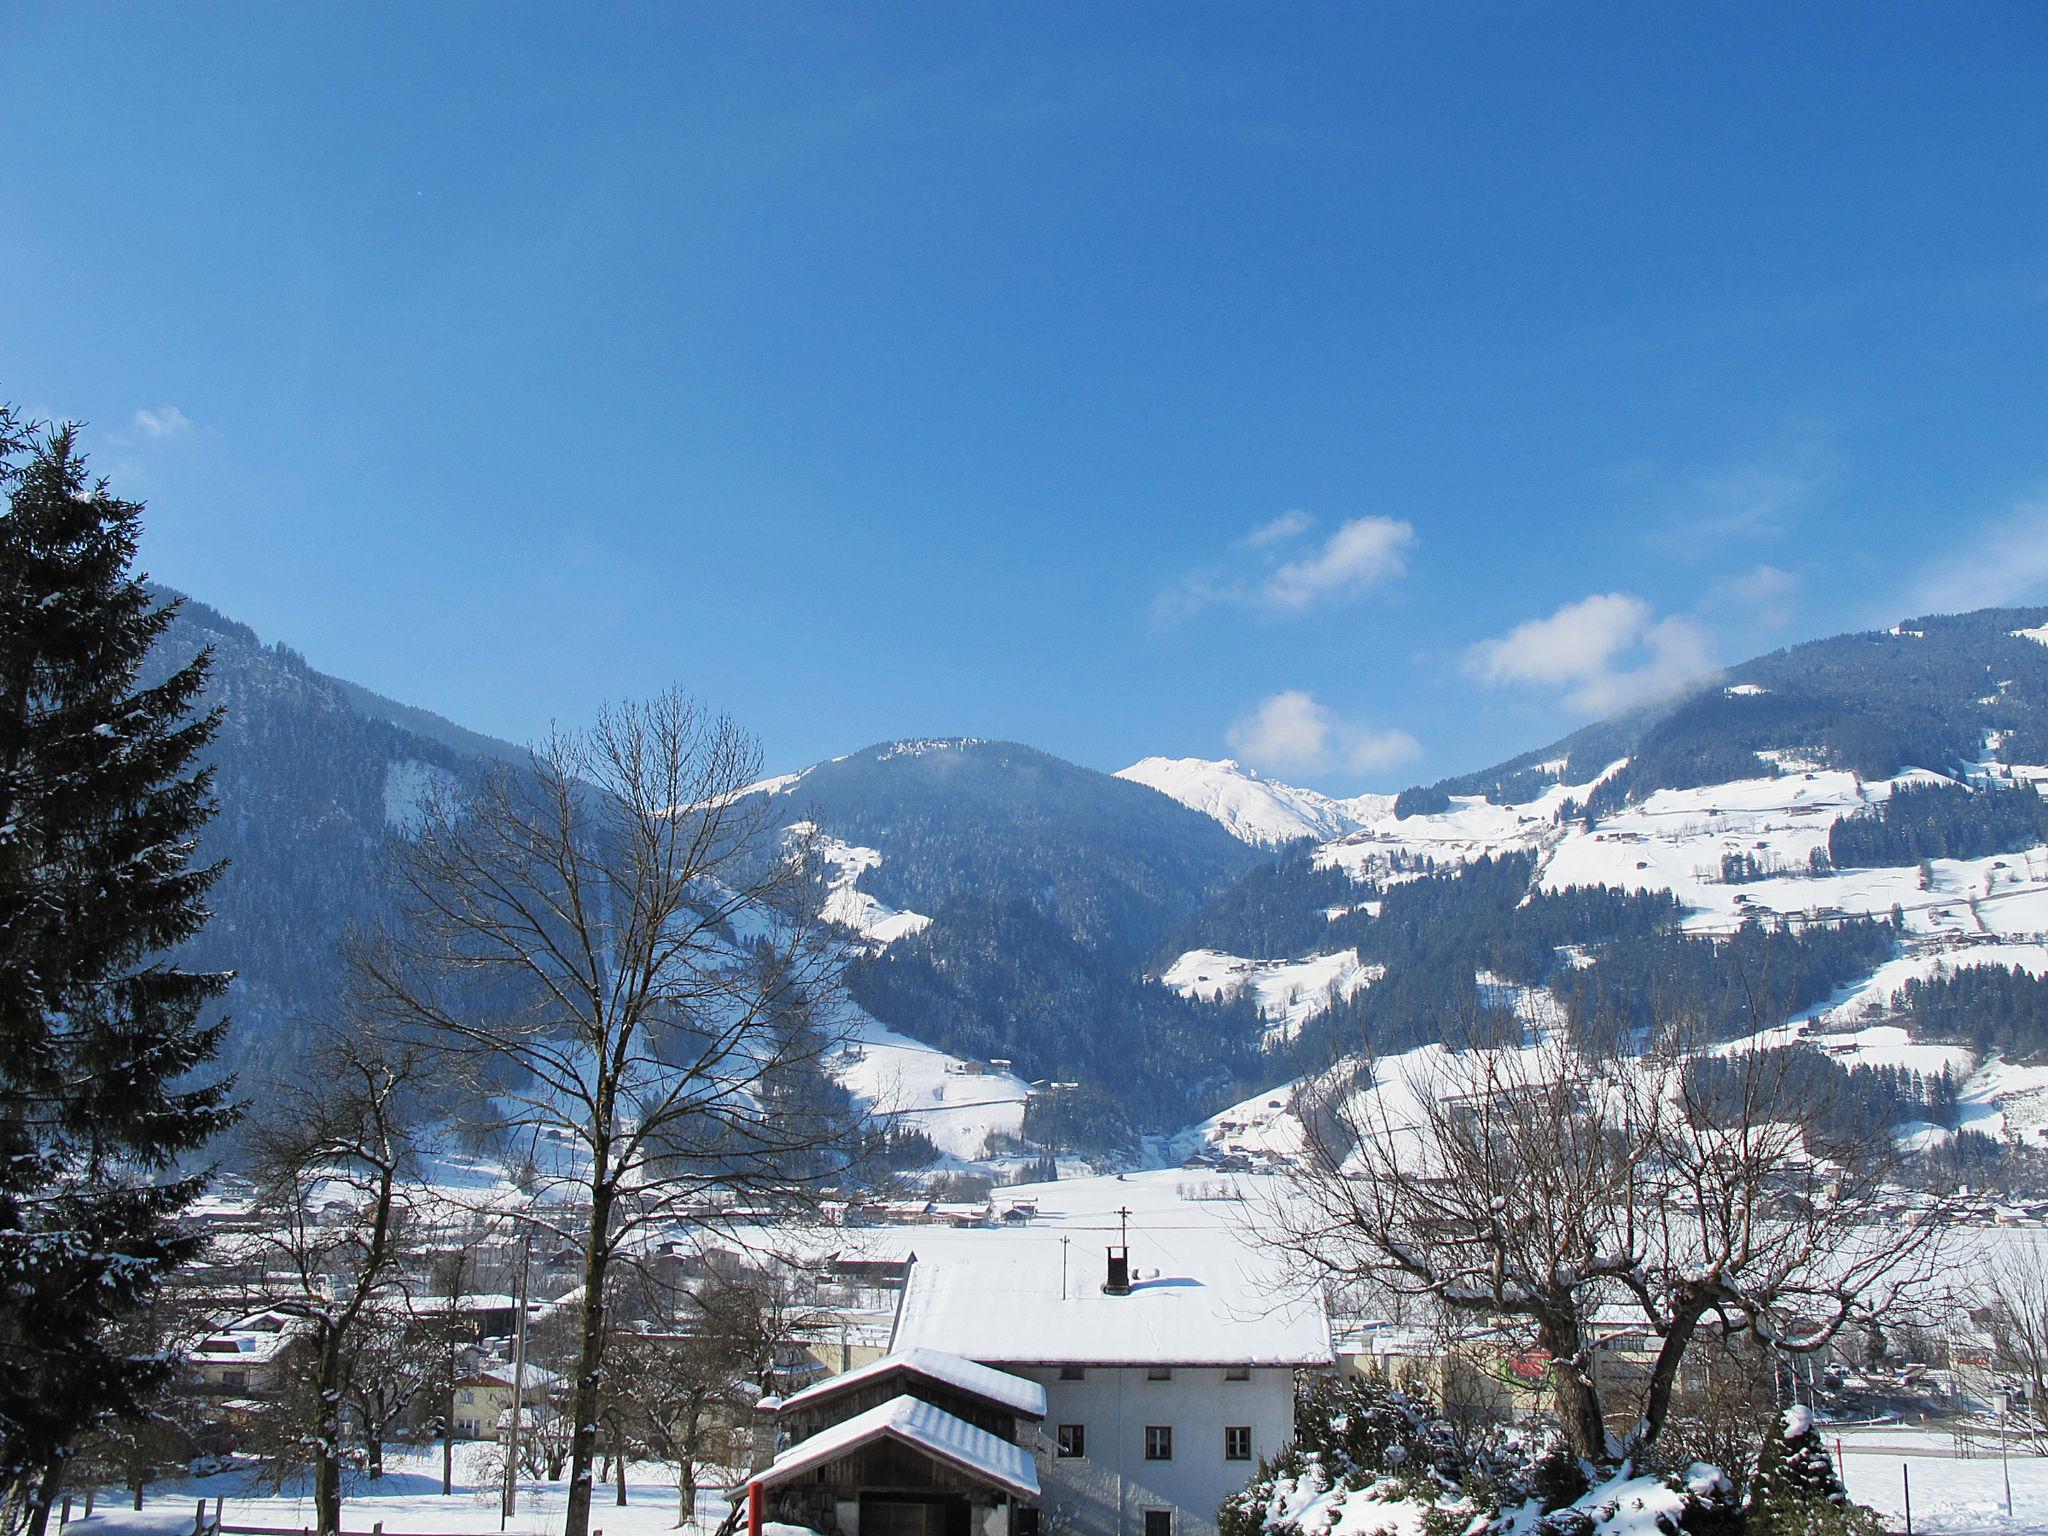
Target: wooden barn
[919, 1443]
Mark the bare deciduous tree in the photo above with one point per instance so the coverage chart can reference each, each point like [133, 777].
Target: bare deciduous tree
[614, 947]
[1539, 1180]
[331, 1159]
[2012, 1304]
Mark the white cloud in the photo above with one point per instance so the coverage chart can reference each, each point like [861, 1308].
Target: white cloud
[1574, 643]
[1608, 651]
[1286, 526]
[1290, 732]
[163, 422]
[1363, 553]
[2002, 560]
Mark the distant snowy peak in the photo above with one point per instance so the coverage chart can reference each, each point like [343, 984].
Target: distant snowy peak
[1256, 809]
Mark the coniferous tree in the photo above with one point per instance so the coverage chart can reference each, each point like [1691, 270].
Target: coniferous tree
[1796, 1491]
[99, 1032]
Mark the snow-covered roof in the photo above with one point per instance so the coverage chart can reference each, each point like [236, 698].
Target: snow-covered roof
[917, 1423]
[1012, 1392]
[1007, 1308]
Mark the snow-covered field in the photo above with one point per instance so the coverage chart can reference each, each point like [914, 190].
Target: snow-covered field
[407, 1498]
[905, 1081]
[1952, 1496]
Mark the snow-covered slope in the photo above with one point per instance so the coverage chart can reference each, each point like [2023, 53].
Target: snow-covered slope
[848, 905]
[1288, 993]
[902, 1081]
[1262, 811]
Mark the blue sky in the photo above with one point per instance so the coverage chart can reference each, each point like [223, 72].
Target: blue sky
[1372, 390]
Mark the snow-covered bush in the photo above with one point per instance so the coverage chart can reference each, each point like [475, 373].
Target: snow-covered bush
[1796, 1491]
[1364, 1458]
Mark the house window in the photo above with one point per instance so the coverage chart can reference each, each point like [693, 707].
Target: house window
[1158, 1522]
[1159, 1442]
[1073, 1373]
[1073, 1440]
[234, 1378]
[465, 1398]
[1159, 1373]
[1237, 1373]
[1237, 1442]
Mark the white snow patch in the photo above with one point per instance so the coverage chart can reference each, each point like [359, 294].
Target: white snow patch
[849, 906]
[408, 784]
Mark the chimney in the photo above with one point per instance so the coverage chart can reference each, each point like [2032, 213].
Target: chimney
[1119, 1281]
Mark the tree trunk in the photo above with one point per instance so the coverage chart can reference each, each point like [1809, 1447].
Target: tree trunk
[588, 1398]
[1577, 1400]
[621, 1459]
[373, 1449]
[686, 1463]
[46, 1494]
[448, 1444]
[137, 1485]
[327, 1441]
[1664, 1377]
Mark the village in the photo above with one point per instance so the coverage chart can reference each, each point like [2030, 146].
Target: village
[1103, 1354]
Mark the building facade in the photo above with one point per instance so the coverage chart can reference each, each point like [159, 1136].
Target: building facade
[1163, 1389]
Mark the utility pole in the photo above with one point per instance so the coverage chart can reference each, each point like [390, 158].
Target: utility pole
[1063, 1267]
[510, 1505]
[2005, 1448]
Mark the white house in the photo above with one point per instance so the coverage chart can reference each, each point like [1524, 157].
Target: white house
[1164, 1385]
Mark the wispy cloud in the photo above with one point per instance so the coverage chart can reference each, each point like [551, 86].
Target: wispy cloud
[1290, 732]
[1608, 652]
[1288, 525]
[1298, 574]
[1752, 502]
[2003, 559]
[166, 421]
[1764, 594]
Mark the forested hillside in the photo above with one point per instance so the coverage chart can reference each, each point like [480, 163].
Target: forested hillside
[312, 776]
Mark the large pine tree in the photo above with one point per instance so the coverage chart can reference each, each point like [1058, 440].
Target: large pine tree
[101, 1035]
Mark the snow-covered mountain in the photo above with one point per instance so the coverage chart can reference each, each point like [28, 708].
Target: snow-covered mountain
[1261, 811]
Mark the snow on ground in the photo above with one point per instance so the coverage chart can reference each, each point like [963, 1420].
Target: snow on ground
[1287, 993]
[907, 1082]
[1472, 828]
[2039, 634]
[1259, 810]
[1952, 1496]
[848, 905]
[1674, 840]
[406, 1499]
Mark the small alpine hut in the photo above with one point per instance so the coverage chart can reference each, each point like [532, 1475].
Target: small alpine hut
[918, 1443]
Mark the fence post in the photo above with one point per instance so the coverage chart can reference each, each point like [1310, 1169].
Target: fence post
[64, 1514]
[216, 1511]
[199, 1519]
